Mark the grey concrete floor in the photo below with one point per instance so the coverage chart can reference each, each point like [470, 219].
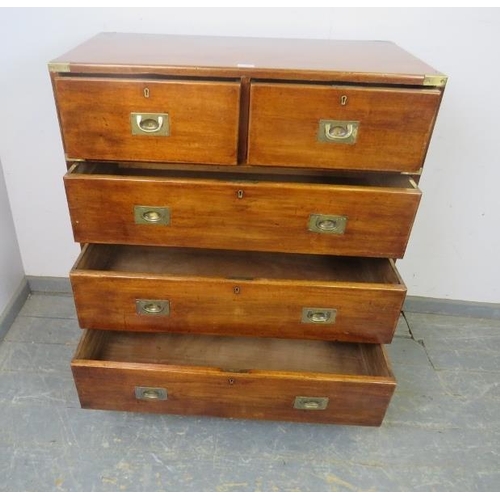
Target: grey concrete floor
[441, 432]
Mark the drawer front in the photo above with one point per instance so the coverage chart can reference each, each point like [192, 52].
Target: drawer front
[131, 384]
[340, 127]
[171, 301]
[264, 216]
[149, 120]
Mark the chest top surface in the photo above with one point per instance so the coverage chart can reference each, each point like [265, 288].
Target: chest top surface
[230, 57]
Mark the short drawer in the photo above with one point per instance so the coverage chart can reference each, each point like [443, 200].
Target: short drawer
[219, 292]
[275, 379]
[362, 216]
[339, 127]
[148, 120]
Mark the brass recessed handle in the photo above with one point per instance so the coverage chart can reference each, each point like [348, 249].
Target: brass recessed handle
[327, 224]
[338, 131]
[151, 215]
[150, 124]
[151, 393]
[307, 403]
[318, 315]
[152, 307]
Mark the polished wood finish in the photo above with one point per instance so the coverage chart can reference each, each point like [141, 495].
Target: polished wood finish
[234, 377]
[395, 126]
[203, 115]
[235, 57]
[271, 213]
[235, 271]
[237, 293]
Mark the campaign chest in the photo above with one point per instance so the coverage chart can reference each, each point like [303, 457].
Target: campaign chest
[241, 204]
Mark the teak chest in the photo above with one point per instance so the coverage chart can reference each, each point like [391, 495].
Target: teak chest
[240, 204]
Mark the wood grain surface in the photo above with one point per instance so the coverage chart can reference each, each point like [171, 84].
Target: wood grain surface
[95, 119]
[395, 126]
[235, 57]
[241, 213]
[265, 388]
[240, 172]
[237, 293]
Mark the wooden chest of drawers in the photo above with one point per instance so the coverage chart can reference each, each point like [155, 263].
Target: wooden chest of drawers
[240, 203]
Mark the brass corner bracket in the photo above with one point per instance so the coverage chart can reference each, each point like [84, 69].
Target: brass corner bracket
[435, 80]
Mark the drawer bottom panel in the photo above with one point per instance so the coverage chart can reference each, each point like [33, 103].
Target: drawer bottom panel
[234, 377]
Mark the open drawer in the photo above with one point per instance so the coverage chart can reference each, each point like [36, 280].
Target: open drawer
[276, 379]
[220, 292]
[368, 216]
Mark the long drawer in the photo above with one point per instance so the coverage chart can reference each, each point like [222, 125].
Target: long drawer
[276, 379]
[368, 216]
[149, 120]
[341, 126]
[156, 289]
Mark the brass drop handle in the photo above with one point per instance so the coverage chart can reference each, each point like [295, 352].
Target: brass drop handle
[151, 394]
[151, 216]
[310, 405]
[152, 308]
[149, 124]
[319, 316]
[335, 132]
[338, 131]
[327, 225]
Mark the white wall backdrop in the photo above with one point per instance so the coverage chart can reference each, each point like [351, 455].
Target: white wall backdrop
[11, 267]
[454, 247]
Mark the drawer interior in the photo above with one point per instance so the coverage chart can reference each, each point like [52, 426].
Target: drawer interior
[189, 262]
[235, 354]
[240, 174]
